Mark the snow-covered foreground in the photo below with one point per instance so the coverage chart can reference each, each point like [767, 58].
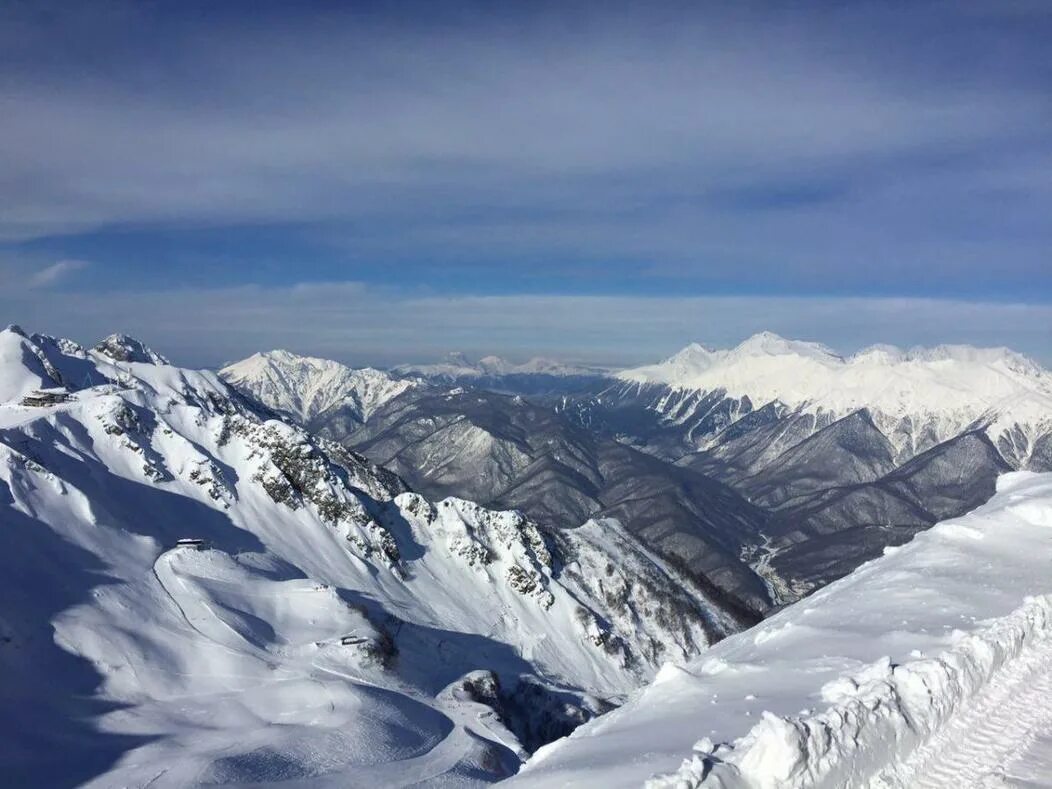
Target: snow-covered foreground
[929, 667]
[330, 629]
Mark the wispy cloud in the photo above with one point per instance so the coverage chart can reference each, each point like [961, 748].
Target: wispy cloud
[56, 272]
[727, 145]
[893, 158]
[363, 325]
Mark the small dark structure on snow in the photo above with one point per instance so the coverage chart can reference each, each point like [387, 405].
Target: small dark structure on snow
[352, 639]
[195, 543]
[43, 398]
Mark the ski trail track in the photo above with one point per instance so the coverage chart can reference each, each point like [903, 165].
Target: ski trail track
[976, 748]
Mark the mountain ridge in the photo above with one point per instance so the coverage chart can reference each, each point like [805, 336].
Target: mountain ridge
[203, 592]
[945, 379]
[306, 386]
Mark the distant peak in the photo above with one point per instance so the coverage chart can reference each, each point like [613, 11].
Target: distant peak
[283, 356]
[968, 353]
[881, 352]
[122, 348]
[768, 343]
[458, 357]
[692, 351]
[14, 328]
[691, 359]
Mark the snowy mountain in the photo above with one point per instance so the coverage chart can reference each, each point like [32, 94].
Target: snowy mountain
[814, 482]
[848, 455]
[508, 452]
[195, 593]
[929, 667]
[917, 398]
[305, 387]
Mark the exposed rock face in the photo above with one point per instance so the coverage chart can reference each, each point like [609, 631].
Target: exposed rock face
[122, 348]
[313, 390]
[202, 558]
[508, 452]
[805, 443]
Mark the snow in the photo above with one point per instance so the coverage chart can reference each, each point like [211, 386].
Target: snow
[143, 662]
[945, 389]
[942, 379]
[26, 371]
[151, 663]
[305, 387]
[927, 667]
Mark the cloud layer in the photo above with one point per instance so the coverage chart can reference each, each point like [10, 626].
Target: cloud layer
[835, 137]
[765, 151]
[363, 325]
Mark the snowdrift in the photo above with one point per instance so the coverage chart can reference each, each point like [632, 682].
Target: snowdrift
[876, 681]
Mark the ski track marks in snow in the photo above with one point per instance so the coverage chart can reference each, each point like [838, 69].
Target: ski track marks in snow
[929, 668]
[998, 726]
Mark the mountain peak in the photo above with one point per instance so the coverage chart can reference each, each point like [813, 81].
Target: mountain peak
[458, 358]
[306, 386]
[957, 381]
[768, 343]
[880, 353]
[122, 348]
[286, 358]
[692, 352]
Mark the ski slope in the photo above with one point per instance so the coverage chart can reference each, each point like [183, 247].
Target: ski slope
[331, 629]
[928, 667]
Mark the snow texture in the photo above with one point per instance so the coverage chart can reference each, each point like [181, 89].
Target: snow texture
[928, 667]
[917, 398]
[193, 592]
[304, 387]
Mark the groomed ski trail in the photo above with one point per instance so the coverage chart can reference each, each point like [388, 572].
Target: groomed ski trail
[999, 728]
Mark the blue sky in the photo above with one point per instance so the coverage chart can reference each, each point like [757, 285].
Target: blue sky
[381, 182]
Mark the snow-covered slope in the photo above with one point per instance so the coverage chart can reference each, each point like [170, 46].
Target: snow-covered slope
[305, 387]
[507, 452]
[330, 628]
[917, 398]
[928, 667]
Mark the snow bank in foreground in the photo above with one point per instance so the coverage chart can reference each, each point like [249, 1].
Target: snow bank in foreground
[844, 688]
[879, 716]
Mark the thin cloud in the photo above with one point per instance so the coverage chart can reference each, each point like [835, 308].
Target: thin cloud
[590, 139]
[365, 325]
[56, 272]
[645, 148]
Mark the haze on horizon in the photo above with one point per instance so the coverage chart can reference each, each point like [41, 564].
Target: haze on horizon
[386, 182]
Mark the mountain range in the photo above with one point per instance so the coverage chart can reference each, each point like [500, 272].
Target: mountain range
[198, 591]
[767, 469]
[296, 571]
